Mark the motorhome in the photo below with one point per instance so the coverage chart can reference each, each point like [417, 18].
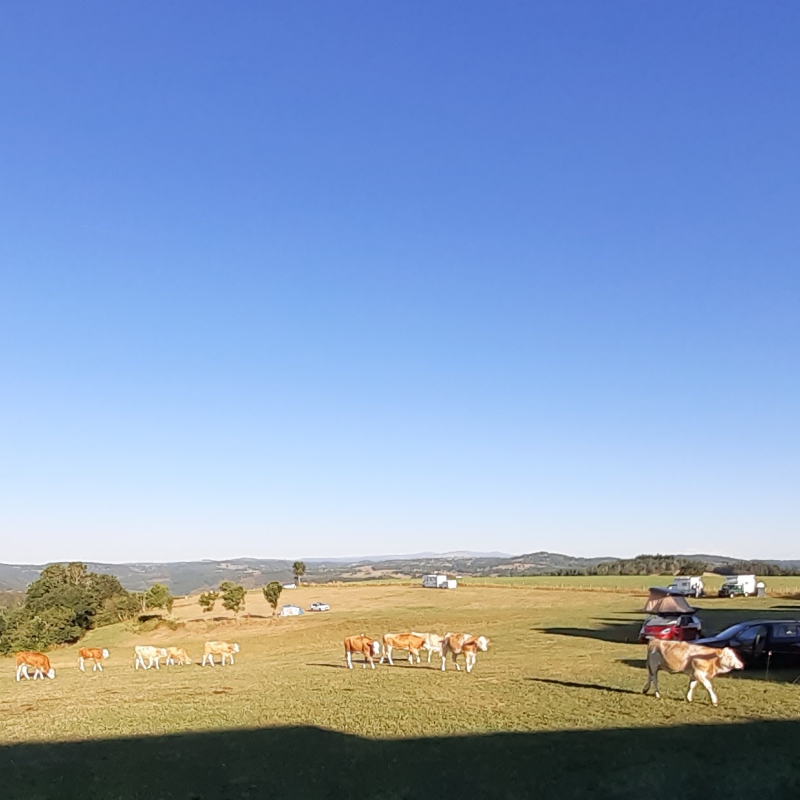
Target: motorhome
[437, 581]
[688, 585]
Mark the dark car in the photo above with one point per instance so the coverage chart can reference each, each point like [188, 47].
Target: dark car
[755, 641]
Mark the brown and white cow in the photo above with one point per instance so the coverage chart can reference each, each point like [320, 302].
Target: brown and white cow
[433, 643]
[177, 655]
[93, 654]
[146, 653]
[413, 642]
[458, 643]
[700, 663]
[38, 662]
[222, 649]
[369, 648]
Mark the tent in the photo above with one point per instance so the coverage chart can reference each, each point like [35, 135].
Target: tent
[665, 601]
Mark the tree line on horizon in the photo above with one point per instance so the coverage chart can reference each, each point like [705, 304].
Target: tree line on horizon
[678, 565]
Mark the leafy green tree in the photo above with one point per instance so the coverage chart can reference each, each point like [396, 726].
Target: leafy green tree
[208, 600]
[272, 593]
[233, 596]
[298, 570]
[158, 596]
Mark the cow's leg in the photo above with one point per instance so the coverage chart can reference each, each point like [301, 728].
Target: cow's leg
[231, 658]
[349, 659]
[99, 666]
[80, 663]
[455, 661]
[690, 693]
[709, 688]
[371, 662]
[389, 654]
[649, 680]
[19, 672]
[430, 653]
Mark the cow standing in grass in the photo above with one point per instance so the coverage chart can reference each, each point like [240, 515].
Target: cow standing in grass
[413, 642]
[93, 654]
[38, 662]
[146, 653]
[177, 655]
[701, 664]
[433, 643]
[222, 649]
[369, 648]
[458, 643]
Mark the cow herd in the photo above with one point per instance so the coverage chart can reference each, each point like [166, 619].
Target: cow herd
[701, 664]
[144, 656]
[412, 642]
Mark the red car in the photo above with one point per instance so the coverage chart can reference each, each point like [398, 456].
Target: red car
[679, 628]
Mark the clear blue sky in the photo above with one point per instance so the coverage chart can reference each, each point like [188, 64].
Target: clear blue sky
[308, 279]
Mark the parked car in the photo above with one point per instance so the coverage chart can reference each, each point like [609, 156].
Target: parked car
[754, 641]
[320, 607]
[678, 627]
[738, 586]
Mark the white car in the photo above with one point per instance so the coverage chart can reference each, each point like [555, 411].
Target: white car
[320, 607]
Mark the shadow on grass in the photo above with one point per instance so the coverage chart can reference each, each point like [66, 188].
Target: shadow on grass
[574, 685]
[610, 630]
[309, 763]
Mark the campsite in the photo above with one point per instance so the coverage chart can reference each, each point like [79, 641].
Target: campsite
[564, 670]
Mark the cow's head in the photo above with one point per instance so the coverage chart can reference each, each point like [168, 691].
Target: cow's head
[729, 660]
[105, 653]
[51, 673]
[235, 648]
[483, 643]
[376, 647]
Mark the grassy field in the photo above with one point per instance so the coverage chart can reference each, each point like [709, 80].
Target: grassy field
[553, 709]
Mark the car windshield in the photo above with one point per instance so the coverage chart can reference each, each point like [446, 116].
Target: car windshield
[729, 633]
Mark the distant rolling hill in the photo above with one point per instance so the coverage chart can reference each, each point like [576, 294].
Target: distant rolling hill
[189, 577]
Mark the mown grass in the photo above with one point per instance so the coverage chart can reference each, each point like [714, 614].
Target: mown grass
[559, 661]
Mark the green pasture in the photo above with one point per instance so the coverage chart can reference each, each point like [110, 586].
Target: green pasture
[554, 709]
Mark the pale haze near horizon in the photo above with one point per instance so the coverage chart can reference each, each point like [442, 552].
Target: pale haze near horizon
[317, 280]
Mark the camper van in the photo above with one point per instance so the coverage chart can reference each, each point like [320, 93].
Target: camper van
[438, 582]
[688, 586]
[734, 585]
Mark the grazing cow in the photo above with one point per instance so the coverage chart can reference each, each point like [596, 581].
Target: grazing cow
[39, 662]
[152, 655]
[369, 648]
[177, 655]
[219, 649]
[458, 643]
[413, 642]
[433, 643]
[698, 662]
[94, 654]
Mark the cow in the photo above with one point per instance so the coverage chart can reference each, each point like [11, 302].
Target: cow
[369, 648]
[458, 643]
[219, 649]
[152, 655]
[177, 655]
[93, 654]
[433, 643]
[39, 662]
[698, 662]
[413, 642]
